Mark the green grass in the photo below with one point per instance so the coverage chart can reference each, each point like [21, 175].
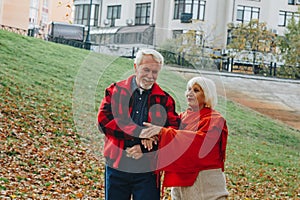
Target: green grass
[49, 96]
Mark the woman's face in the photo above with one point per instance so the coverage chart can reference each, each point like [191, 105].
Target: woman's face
[195, 97]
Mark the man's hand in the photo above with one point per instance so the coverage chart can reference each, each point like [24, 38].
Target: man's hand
[134, 152]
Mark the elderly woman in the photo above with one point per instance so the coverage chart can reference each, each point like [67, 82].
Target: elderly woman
[193, 157]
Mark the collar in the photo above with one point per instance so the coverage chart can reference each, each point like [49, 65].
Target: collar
[134, 85]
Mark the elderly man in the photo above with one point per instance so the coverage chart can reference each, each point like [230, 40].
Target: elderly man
[126, 105]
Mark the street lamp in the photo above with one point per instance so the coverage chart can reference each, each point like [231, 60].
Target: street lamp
[254, 68]
[87, 43]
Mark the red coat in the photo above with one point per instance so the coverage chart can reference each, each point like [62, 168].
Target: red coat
[200, 145]
[115, 121]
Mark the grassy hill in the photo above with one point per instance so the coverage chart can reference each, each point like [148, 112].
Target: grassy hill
[49, 143]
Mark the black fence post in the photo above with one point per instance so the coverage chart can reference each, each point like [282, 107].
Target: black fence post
[132, 55]
[270, 68]
[178, 59]
[275, 65]
[227, 63]
[231, 65]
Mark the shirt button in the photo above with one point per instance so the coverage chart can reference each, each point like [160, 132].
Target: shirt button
[140, 98]
[137, 112]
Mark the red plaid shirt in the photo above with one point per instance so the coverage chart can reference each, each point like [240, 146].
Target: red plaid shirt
[115, 121]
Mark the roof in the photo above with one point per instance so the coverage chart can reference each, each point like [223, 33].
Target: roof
[110, 30]
[133, 29]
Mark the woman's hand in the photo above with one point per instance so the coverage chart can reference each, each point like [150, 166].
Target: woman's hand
[150, 131]
[149, 135]
[148, 143]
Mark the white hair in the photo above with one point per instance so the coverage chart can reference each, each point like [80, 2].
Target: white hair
[209, 89]
[155, 54]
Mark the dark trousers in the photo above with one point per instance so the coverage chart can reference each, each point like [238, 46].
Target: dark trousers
[121, 185]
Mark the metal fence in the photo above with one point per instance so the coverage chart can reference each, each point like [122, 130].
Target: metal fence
[30, 32]
[73, 43]
[232, 65]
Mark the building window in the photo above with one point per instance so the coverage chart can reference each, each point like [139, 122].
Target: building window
[285, 16]
[96, 15]
[142, 13]
[44, 15]
[82, 14]
[177, 33]
[45, 3]
[196, 7]
[291, 2]
[246, 14]
[113, 12]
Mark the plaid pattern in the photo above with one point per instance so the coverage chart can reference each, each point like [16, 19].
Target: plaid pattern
[115, 121]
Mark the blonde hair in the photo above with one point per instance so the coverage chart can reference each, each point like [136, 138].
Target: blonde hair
[155, 54]
[209, 89]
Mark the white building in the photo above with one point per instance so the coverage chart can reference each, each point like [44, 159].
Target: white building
[120, 26]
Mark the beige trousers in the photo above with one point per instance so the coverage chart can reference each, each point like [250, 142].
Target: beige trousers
[209, 185]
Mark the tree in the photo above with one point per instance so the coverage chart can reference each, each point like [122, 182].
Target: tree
[251, 36]
[289, 46]
[192, 47]
[252, 43]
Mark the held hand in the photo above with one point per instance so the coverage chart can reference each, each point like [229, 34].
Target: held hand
[150, 131]
[148, 143]
[134, 152]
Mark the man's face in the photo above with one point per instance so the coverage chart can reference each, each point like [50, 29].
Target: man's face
[147, 72]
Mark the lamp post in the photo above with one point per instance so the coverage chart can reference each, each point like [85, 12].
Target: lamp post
[254, 51]
[87, 43]
[254, 57]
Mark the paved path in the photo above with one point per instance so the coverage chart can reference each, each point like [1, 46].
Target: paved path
[277, 98]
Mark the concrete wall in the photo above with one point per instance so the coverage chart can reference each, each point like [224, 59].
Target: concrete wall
[60, 12]
[1, 11]
[15, 13]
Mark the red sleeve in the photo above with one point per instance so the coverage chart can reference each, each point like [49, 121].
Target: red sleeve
[116, 121]
[173, 119]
